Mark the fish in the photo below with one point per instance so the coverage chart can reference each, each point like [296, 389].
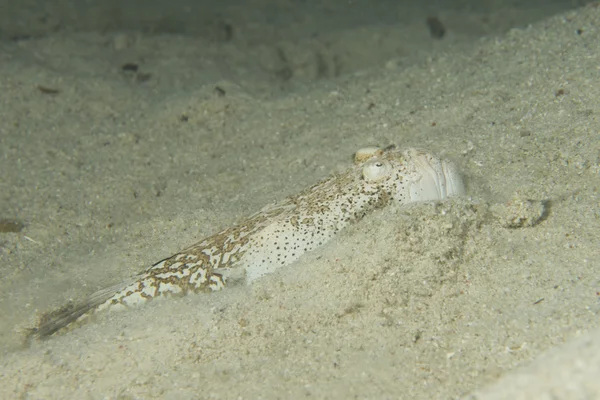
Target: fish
[277, 235]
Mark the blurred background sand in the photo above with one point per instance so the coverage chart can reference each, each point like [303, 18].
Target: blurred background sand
[129, 130]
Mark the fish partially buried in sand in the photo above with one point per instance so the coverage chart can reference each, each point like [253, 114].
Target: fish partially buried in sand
[280, 233]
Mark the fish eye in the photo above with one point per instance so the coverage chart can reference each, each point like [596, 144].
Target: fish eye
[375, 170]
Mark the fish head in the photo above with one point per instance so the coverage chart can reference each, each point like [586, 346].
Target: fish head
[411, 174]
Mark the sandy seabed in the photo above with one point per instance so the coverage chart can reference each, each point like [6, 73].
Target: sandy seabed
[119, 148]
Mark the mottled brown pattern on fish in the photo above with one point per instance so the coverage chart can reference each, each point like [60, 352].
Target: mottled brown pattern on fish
[278, 234]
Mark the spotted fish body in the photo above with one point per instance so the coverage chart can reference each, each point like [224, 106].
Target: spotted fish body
[280, 233]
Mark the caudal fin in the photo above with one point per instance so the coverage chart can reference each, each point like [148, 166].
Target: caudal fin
[51, 322]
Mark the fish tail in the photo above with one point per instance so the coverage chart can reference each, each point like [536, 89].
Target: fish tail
[53, 321]
[167, 277]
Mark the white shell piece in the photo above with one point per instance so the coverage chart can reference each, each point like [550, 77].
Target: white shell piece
[376, 169]
[365, 153]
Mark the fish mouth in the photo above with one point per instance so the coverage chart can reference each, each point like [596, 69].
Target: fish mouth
[433, 178]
